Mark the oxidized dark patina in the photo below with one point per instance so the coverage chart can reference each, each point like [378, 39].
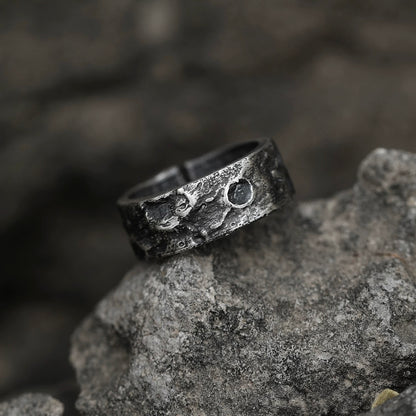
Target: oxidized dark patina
[206, 198]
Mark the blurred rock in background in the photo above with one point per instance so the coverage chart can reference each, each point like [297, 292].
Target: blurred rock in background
[96, 95]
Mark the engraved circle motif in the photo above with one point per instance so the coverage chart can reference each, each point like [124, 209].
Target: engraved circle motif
[240, 193]
[161, 215]
[205, 198]
[166, 214]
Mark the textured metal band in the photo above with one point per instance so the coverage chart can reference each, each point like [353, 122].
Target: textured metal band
[205, 198]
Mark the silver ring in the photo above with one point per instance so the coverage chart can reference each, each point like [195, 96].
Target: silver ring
[206, 198]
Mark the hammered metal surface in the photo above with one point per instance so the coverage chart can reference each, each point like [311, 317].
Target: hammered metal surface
[207, 208]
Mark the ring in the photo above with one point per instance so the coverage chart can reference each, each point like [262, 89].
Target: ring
[206, 198]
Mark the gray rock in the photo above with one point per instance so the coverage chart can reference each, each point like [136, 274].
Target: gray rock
[92, 90]
[305, 314]
[403, 405]
[32, 404]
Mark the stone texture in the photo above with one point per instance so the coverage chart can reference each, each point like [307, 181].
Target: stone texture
[32, 404]
[403, 405]
[92, 90]
[308, 313]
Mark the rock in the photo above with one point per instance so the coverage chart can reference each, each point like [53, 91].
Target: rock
[95, 94]
[307, 313]
[32, 404]
[383, 396]
[402, 405]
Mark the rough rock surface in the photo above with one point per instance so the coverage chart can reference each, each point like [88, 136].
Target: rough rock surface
[403, 405]
[97, 93]
[32, 404]
[305, 314]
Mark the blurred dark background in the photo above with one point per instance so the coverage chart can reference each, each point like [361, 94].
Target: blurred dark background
[96, 95]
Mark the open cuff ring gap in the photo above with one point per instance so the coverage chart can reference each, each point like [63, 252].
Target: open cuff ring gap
[206, 198]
